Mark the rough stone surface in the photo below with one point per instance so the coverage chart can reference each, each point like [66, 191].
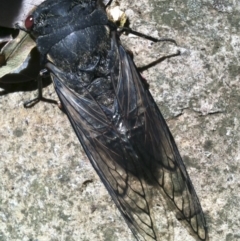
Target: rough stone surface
[48, 189]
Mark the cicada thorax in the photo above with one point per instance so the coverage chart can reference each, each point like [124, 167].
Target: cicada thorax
[79, 47]
[82, 51]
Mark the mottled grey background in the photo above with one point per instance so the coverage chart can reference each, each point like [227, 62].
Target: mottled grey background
[48, 189]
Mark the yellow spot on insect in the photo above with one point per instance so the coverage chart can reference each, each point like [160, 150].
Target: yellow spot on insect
[116, 15]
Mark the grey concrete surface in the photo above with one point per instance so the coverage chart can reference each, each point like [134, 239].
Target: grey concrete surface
[48, 189]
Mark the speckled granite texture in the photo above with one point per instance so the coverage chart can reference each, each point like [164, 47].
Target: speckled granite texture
[48, 189]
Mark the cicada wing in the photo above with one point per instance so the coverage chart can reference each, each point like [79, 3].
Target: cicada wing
[131, 148]
[159, 153]
[162, 157]
[112, 158]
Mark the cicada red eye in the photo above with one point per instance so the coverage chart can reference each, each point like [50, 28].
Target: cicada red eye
[29, 22]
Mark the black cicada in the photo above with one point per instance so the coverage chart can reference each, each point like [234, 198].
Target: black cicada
[113, 114]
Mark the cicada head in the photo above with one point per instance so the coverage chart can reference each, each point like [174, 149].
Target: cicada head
[54, 14]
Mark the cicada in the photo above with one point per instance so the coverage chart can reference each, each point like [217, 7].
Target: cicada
[113, 114]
